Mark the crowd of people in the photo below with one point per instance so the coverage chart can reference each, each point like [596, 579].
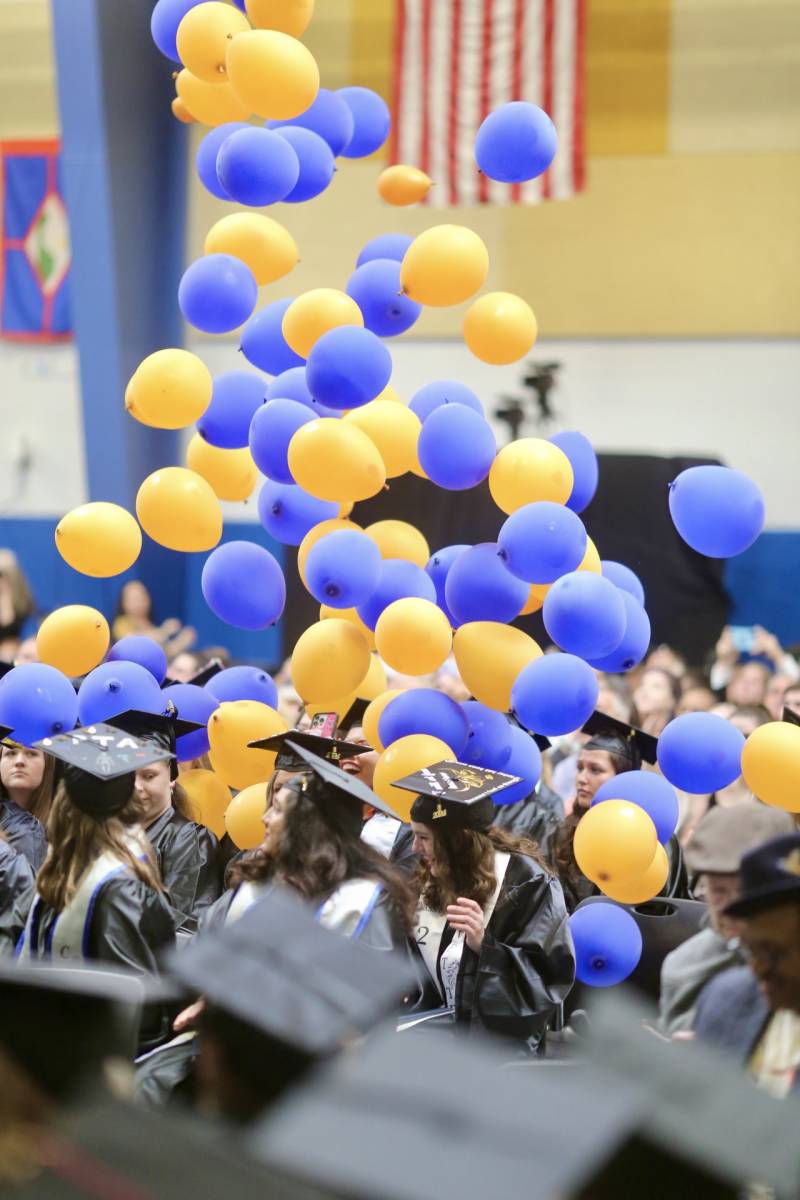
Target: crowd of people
[108, 866]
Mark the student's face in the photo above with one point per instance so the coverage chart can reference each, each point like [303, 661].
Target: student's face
[772, 941]
[594, 768]
[748, 685]
[653, 694]
[423, 845]
[136, 599]
[183, 668]
[21, 769]
[153, 790]
[361, 766]
[275, 820]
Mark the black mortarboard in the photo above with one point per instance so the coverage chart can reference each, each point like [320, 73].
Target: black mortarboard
[338, 796]
[100, 763]
[607, 733]
[160, 729]
[202, 677]
[789, 715]
[318, 739]
[5, 733]
[457, 794]
[542, 742]
[355, 714]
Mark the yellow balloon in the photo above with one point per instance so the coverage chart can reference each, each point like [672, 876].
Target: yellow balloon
[341, 705]
[315, 313]
[232, 473]
[99, 539]
[178, 509]
[203, 38]
[404, 757]
[771, 764]
[351, 615]
[591, 559]
[169, 389]
[535, 599]
[395, 431]
[335, 461]
[262, 244]
[311, 539]
[244, 817]
[73, 638]
[489, 657]
[615, 843]
[413, 636]
[209, 798]
[331, 658]
[527, 470]
[272, 74]
[374, 682]
[398, 539]
[444, 265]
[373, 714]
[401, 185]
[500, 328]
[231, 728]
[646, 886]
[210, 103]
[288, 16]
[181, 112]
[389, 393]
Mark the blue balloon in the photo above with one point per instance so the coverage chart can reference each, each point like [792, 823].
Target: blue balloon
[608, 943]
[240, 4]
[315, 160]
[142, 650]
[437, 567]
[635, 640]
[717, 511]
[257, 166]
[244, 585]
[479, 588]
[243, 683]
[585, 614]
[554, 694]
[288, 513]
[329, 118]
[371, 121]
[217, 293]
[271, 431]
[580, 452]
[196, 704]
[651, 792]
[542, 541]
[375, 287]
[342, 569]
[443, 391]
[397, 580]
[516, 142]
[424, 710]
[385, 245]
[526, 762]
[118, 687]
[236, 398]
[456, 447]
[291, 385]
[164, 21]
[38, 701]
[206, 157]
[490, 740]
[700, 752]
[347, 367]
[263, 343]
[624, 578]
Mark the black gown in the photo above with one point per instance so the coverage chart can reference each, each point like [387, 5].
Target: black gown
[187, 856]
[526, 964]
[24, 832]
[537, 817]
[16, 878]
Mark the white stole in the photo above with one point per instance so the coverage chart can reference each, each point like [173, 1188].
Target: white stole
[345, 911]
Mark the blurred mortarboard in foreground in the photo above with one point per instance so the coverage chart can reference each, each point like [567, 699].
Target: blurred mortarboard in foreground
[457, 794]
[318, 738]
[616, 737]
[99, 765]
[339, 796]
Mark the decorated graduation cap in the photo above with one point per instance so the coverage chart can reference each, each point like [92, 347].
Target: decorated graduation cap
[159, 729]
[99, 765]
[615, 737]
[318, 739]
[457, 795]
[338, 796]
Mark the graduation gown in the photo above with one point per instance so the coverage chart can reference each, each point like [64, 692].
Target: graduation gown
[526, 964]
[16, 879]
[24, 832]
[187, 856]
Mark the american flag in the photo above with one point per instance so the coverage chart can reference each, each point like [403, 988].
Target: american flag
[456, 60]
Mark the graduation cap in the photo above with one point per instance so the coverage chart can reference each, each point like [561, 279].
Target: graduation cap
[355, 714]
[160, 729]
[542, 742]
[615, 737]
[203, 677]
[789, 715]
[339, 797]
[318, 738]
[100, 762]
[457, 794]
[5, 736]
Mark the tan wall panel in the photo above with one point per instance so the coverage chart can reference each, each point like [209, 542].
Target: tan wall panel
[27, 75]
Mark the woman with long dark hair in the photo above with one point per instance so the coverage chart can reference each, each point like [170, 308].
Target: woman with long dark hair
[27, 784]
[491, 925]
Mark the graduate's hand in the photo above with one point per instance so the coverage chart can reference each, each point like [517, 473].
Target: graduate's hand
[467, 915]
[189, 1017]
